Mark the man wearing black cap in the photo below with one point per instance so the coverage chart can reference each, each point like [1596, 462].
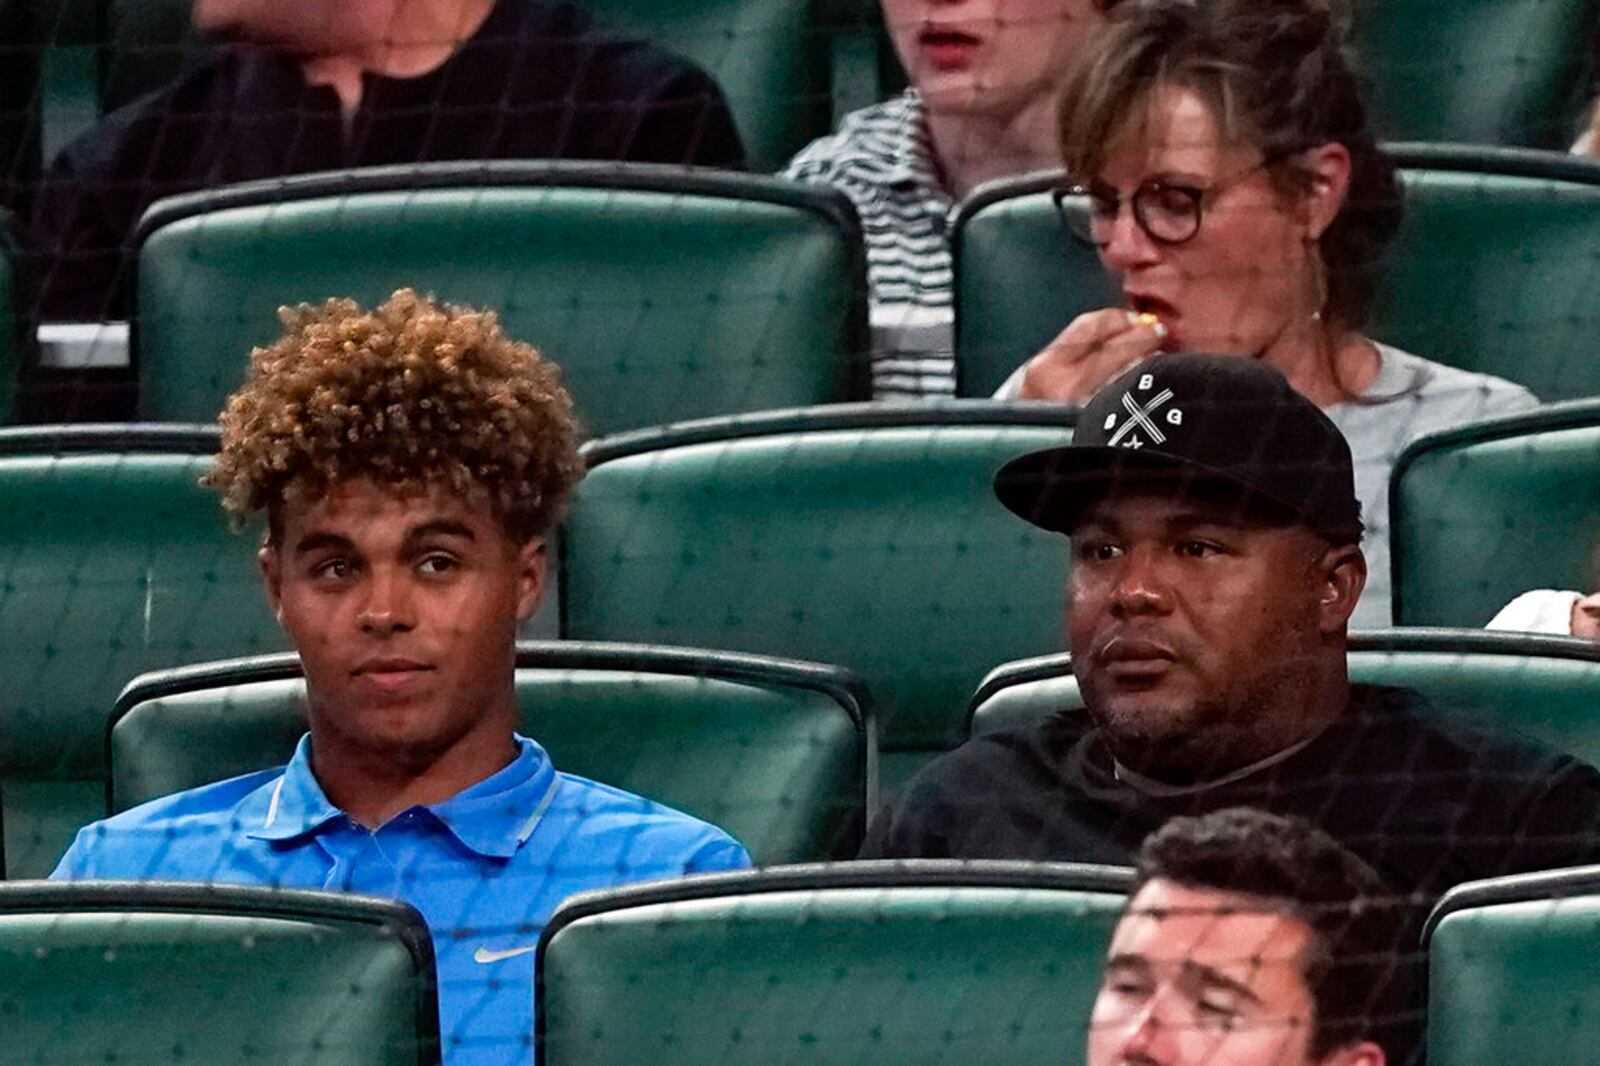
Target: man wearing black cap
[1215, 562]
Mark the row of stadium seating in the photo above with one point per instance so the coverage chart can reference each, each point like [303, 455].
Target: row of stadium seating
[863, 536]
[790, 67]
[667, 295]
[915, 963]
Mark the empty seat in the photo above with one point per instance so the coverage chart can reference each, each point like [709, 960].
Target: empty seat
[867, 536]
[221, 974]
[1510, 72]
[1547, 688]
[1493, 271]
[889, 963]
[113, 561]
[769, 57]
[1484, 513]
[663, 294]
[1511, 970]
[774, 751]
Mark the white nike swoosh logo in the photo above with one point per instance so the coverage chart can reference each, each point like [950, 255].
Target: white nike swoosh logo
[485, 955]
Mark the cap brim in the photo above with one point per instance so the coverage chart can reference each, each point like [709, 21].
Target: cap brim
[1053, 487]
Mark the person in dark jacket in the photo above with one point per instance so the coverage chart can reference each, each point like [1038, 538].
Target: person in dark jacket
[1215, 545]
[312, 85]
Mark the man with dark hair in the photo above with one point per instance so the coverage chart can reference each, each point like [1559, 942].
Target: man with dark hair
[312, 85]
[411, 461]
[1215, 562]
[1254, 940]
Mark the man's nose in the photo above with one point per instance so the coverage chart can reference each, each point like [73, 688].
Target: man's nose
[1150, 1040]
[1142, 585]
[387, 608]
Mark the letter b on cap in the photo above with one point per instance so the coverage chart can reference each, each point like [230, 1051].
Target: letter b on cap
[1146, 382]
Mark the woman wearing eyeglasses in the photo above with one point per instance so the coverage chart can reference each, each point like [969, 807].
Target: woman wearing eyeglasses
[1235, 191]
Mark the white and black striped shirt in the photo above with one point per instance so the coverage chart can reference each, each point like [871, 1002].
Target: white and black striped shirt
[882, 158]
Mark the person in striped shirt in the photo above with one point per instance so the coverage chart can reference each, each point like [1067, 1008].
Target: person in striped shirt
[984, 77]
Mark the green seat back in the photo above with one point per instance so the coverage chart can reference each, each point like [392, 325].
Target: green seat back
[664, 295]
[69, 35]
[769, 57]
[868, 537]
[1491, 271]
[1510, 72]
[1546, 688]
[1511, 970]
[1020, 277]
[113, 561]
[1484, 513]
[775, 752]
[894, 964]
[226, 975]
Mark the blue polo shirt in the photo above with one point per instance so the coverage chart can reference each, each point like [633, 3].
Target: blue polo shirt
[485, 867]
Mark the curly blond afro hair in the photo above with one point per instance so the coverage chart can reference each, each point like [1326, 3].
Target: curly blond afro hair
[410, 393]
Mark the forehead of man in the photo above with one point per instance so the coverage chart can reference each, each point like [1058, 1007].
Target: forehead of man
[377, 514]
[1179, 498]
[1206, 936]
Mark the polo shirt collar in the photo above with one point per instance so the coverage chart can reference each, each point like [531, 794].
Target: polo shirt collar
[493, 818]
[496, 816]
[296, 804]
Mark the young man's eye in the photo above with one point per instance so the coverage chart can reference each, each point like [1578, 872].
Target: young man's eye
[333, 569]
[1197, 549]
[437, 564]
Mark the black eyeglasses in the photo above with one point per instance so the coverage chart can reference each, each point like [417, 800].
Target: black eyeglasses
[1167, 212]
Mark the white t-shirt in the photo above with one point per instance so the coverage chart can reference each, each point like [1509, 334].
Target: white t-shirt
[1411, 396]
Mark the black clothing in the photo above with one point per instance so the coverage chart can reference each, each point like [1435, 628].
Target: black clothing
[536, 81]
[1428, 801]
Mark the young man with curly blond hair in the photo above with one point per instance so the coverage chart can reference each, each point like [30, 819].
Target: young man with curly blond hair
[410, 461]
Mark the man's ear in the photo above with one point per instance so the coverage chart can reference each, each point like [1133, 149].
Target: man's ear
[1366, 1053]
[533, 562]
[1341, 575]
[1329, 166]
[271, 567]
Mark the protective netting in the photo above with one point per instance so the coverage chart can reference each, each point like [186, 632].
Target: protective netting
[749, 515]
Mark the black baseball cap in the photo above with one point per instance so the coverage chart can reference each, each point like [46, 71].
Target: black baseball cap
[1202, 422]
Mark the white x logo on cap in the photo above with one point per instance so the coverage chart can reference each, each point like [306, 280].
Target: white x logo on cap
[1140, 416]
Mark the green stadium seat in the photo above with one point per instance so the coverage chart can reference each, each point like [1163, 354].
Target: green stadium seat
[1546, 688]
[1511, 970]
[1511, 72]
[777, 752]
[867, 536]
[864, 67]
[897, 964]
[113, 561]
[1494, 270]
[225, 975]
[664, 294]
[1486, 512]
[69, 36]
[769, 56]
